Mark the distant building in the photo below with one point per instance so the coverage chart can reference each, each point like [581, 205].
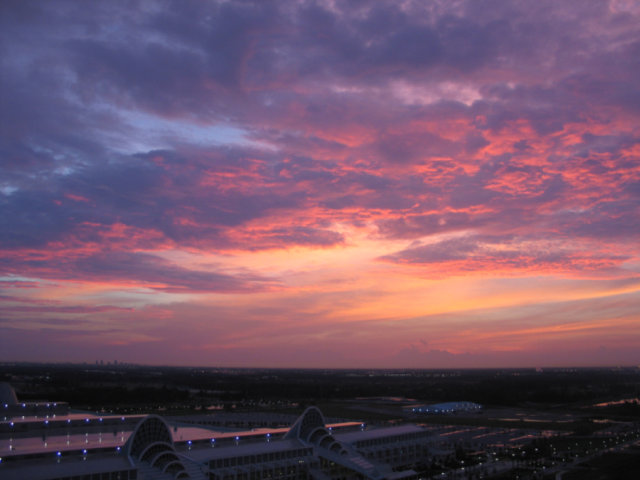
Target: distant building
[443, 408]
[80, 446]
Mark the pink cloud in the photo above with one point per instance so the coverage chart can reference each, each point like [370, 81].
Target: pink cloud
[298, 168]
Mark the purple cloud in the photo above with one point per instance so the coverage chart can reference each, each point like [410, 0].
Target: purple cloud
[142, 268]
[128, 135]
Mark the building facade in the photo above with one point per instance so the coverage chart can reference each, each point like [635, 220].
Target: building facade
[42, 444]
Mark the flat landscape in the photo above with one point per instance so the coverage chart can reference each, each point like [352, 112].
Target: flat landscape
[533, 423]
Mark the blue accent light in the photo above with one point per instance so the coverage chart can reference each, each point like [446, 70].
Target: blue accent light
[117, 449]
[11, 424]
[189, 442]
[86, 420]
[59, 454]
[100, 419]
[213, 440]
[237, 438]
[68, 420]
[84, 451]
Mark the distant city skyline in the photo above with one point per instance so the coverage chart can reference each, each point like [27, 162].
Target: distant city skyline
[327, 184]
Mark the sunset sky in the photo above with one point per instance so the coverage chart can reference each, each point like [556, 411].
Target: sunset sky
[348, 183]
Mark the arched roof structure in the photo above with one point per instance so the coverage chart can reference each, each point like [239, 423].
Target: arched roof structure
[152, 443]
[7, 394]
[310, 420]
[310, 429]
[150, 430]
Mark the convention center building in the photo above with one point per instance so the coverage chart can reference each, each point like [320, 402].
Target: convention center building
[52, 442]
